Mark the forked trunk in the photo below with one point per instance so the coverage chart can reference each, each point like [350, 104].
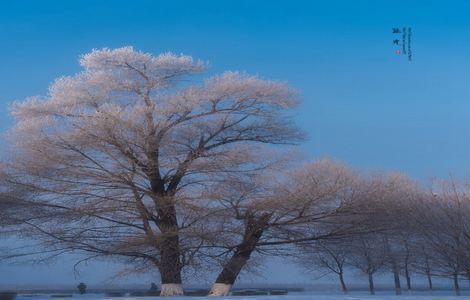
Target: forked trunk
[253, 231]
[371, 284]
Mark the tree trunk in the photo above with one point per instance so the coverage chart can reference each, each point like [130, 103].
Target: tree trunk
[343, 284]
[170, 268]
[428, 274]
[371, 284]
[253, 231]
[395, 269]
[170, 264]
[396, 279]
[408, 278]
[230, 272]
[456, 285]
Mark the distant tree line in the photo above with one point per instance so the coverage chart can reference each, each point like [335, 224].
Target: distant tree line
[141, 160]
[428, 234]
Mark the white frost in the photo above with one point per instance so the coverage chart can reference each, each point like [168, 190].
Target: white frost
[171, 289]
[220, 289]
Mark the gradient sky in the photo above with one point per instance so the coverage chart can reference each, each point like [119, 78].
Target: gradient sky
[362, 103]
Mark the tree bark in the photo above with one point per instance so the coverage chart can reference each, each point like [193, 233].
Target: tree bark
[371, 284]
[343, 284]
[456, 285]
[253, 231]
[170, 264]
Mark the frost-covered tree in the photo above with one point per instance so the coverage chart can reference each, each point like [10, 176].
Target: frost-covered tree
[316, 201]
[122, 153]
[393, 255]
[368, 256]
[444, 226]
[13, 205]
[398, 192]
[376, 200]
[329, 256]
[424, 263]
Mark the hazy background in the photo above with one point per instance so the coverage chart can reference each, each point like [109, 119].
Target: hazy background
[363, 104]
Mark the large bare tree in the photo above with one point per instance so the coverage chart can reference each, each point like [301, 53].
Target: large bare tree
[121, 154]
[316, 201]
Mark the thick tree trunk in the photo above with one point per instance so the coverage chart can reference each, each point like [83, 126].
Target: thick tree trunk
[396, 279]
[371, 284]
[343, 284]
[170, 264]
[253, 231]
[456, 285]
[170, 269]
[229, 274]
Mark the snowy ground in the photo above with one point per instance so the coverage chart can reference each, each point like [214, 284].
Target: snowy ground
[436, 295]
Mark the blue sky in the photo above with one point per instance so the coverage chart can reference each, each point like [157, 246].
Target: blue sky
[362, 103]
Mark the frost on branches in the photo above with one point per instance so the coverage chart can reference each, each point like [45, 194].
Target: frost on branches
[122, 155]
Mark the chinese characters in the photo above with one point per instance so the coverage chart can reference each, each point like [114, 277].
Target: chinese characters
[402, 41]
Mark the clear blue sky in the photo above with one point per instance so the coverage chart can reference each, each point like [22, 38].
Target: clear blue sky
[362, 103]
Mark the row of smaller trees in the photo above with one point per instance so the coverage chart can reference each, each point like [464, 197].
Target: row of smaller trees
[424, 232]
